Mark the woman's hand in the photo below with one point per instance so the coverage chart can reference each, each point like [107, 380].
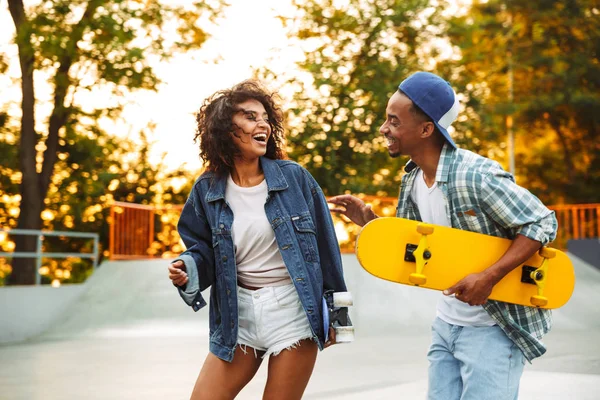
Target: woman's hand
[177, 273]
[331, 340]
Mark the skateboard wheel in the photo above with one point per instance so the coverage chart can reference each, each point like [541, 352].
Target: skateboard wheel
[547, 252]
[344, 334]
[425, 229]
[342, 299]
[417, 279]
[539, 301]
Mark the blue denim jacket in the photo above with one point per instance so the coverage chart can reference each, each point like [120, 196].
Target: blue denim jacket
[300, 217]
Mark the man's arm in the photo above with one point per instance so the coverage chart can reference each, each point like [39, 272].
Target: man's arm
[518, 211]
[476, 288]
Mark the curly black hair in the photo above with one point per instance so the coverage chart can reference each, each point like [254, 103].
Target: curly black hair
[215, 123]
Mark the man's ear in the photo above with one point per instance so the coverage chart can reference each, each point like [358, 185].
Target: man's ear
[427, 129]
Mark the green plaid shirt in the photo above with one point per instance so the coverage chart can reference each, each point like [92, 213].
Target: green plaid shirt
[496, 206]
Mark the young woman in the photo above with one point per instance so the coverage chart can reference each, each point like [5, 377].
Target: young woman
[258, 231]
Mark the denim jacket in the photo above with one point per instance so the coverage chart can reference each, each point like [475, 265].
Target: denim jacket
[300, 218]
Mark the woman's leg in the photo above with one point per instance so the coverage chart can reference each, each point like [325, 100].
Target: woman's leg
[220, 380]
[290, 371]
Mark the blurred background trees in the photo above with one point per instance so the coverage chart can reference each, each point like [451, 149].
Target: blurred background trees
[531, 67]
[526, 70]
[547, 54]
[91, 53]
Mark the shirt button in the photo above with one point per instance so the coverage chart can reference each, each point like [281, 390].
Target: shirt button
[224, 258]
[228, 292]
[221, 226]
[232, 324]
[197, 303]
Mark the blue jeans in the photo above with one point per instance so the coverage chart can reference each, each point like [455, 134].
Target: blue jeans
[469, 363]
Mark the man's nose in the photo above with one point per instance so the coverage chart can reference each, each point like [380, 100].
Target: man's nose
[383, 128]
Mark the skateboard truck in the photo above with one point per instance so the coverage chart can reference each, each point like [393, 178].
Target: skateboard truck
[420, 254]
[539, 275]
[335, 314]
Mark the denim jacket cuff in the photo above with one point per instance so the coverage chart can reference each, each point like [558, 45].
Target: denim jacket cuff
[191, 291]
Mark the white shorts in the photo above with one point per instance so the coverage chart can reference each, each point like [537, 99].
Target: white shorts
[271, 319]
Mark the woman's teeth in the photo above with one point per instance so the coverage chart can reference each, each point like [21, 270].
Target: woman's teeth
[261, 137]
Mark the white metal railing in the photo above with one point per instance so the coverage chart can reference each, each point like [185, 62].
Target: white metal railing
[39, 254]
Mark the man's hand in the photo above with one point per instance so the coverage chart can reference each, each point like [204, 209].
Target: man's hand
[353, 208]
[177, 273]
[474, 289]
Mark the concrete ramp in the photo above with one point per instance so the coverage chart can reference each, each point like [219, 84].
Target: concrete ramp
[129, 299]
[582, 312]
[135, 298]
[130, 336]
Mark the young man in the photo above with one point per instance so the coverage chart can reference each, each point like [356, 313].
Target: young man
[478, 347]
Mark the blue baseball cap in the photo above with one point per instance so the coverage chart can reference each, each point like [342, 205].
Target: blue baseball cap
[435, 97]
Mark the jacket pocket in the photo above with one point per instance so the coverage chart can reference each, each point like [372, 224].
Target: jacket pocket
[307, 236]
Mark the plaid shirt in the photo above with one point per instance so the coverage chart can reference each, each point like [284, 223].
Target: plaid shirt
[482, 197]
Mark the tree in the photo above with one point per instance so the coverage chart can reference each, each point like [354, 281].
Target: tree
[355, 55]
[93, 170]
[95, 46]
[549, 51]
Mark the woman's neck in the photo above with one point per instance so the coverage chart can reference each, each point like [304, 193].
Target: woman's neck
[247, 173]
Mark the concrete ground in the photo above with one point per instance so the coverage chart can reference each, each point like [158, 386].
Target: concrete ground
[131, 337]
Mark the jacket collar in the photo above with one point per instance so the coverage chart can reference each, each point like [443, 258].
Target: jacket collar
[273, 175]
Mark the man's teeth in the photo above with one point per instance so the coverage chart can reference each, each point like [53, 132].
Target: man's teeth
[390, 141]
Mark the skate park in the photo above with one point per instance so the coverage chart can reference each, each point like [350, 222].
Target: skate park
[126, 334]
[111, 118]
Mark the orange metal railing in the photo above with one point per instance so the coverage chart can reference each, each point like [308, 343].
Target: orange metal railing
[578, 221]
[143, 231]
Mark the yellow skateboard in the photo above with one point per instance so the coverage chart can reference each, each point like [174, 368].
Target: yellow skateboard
[437, 257]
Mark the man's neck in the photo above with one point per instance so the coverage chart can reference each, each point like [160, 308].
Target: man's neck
[428, 160]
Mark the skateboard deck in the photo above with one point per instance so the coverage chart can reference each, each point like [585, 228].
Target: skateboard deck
[437, 257]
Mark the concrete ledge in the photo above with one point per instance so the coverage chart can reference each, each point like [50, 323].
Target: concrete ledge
[586, 249]
[27, 311]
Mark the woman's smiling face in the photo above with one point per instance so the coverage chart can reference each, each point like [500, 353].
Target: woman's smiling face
[251, 129]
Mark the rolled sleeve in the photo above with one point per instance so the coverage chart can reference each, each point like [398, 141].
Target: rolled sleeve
[199, 258]
[190, 292]
[516, 209]
[544, 231]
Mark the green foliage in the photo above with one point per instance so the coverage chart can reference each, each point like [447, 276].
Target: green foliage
[115, 41]
[356, 54]
[94, 170]
[552, 49]
[101, 48]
